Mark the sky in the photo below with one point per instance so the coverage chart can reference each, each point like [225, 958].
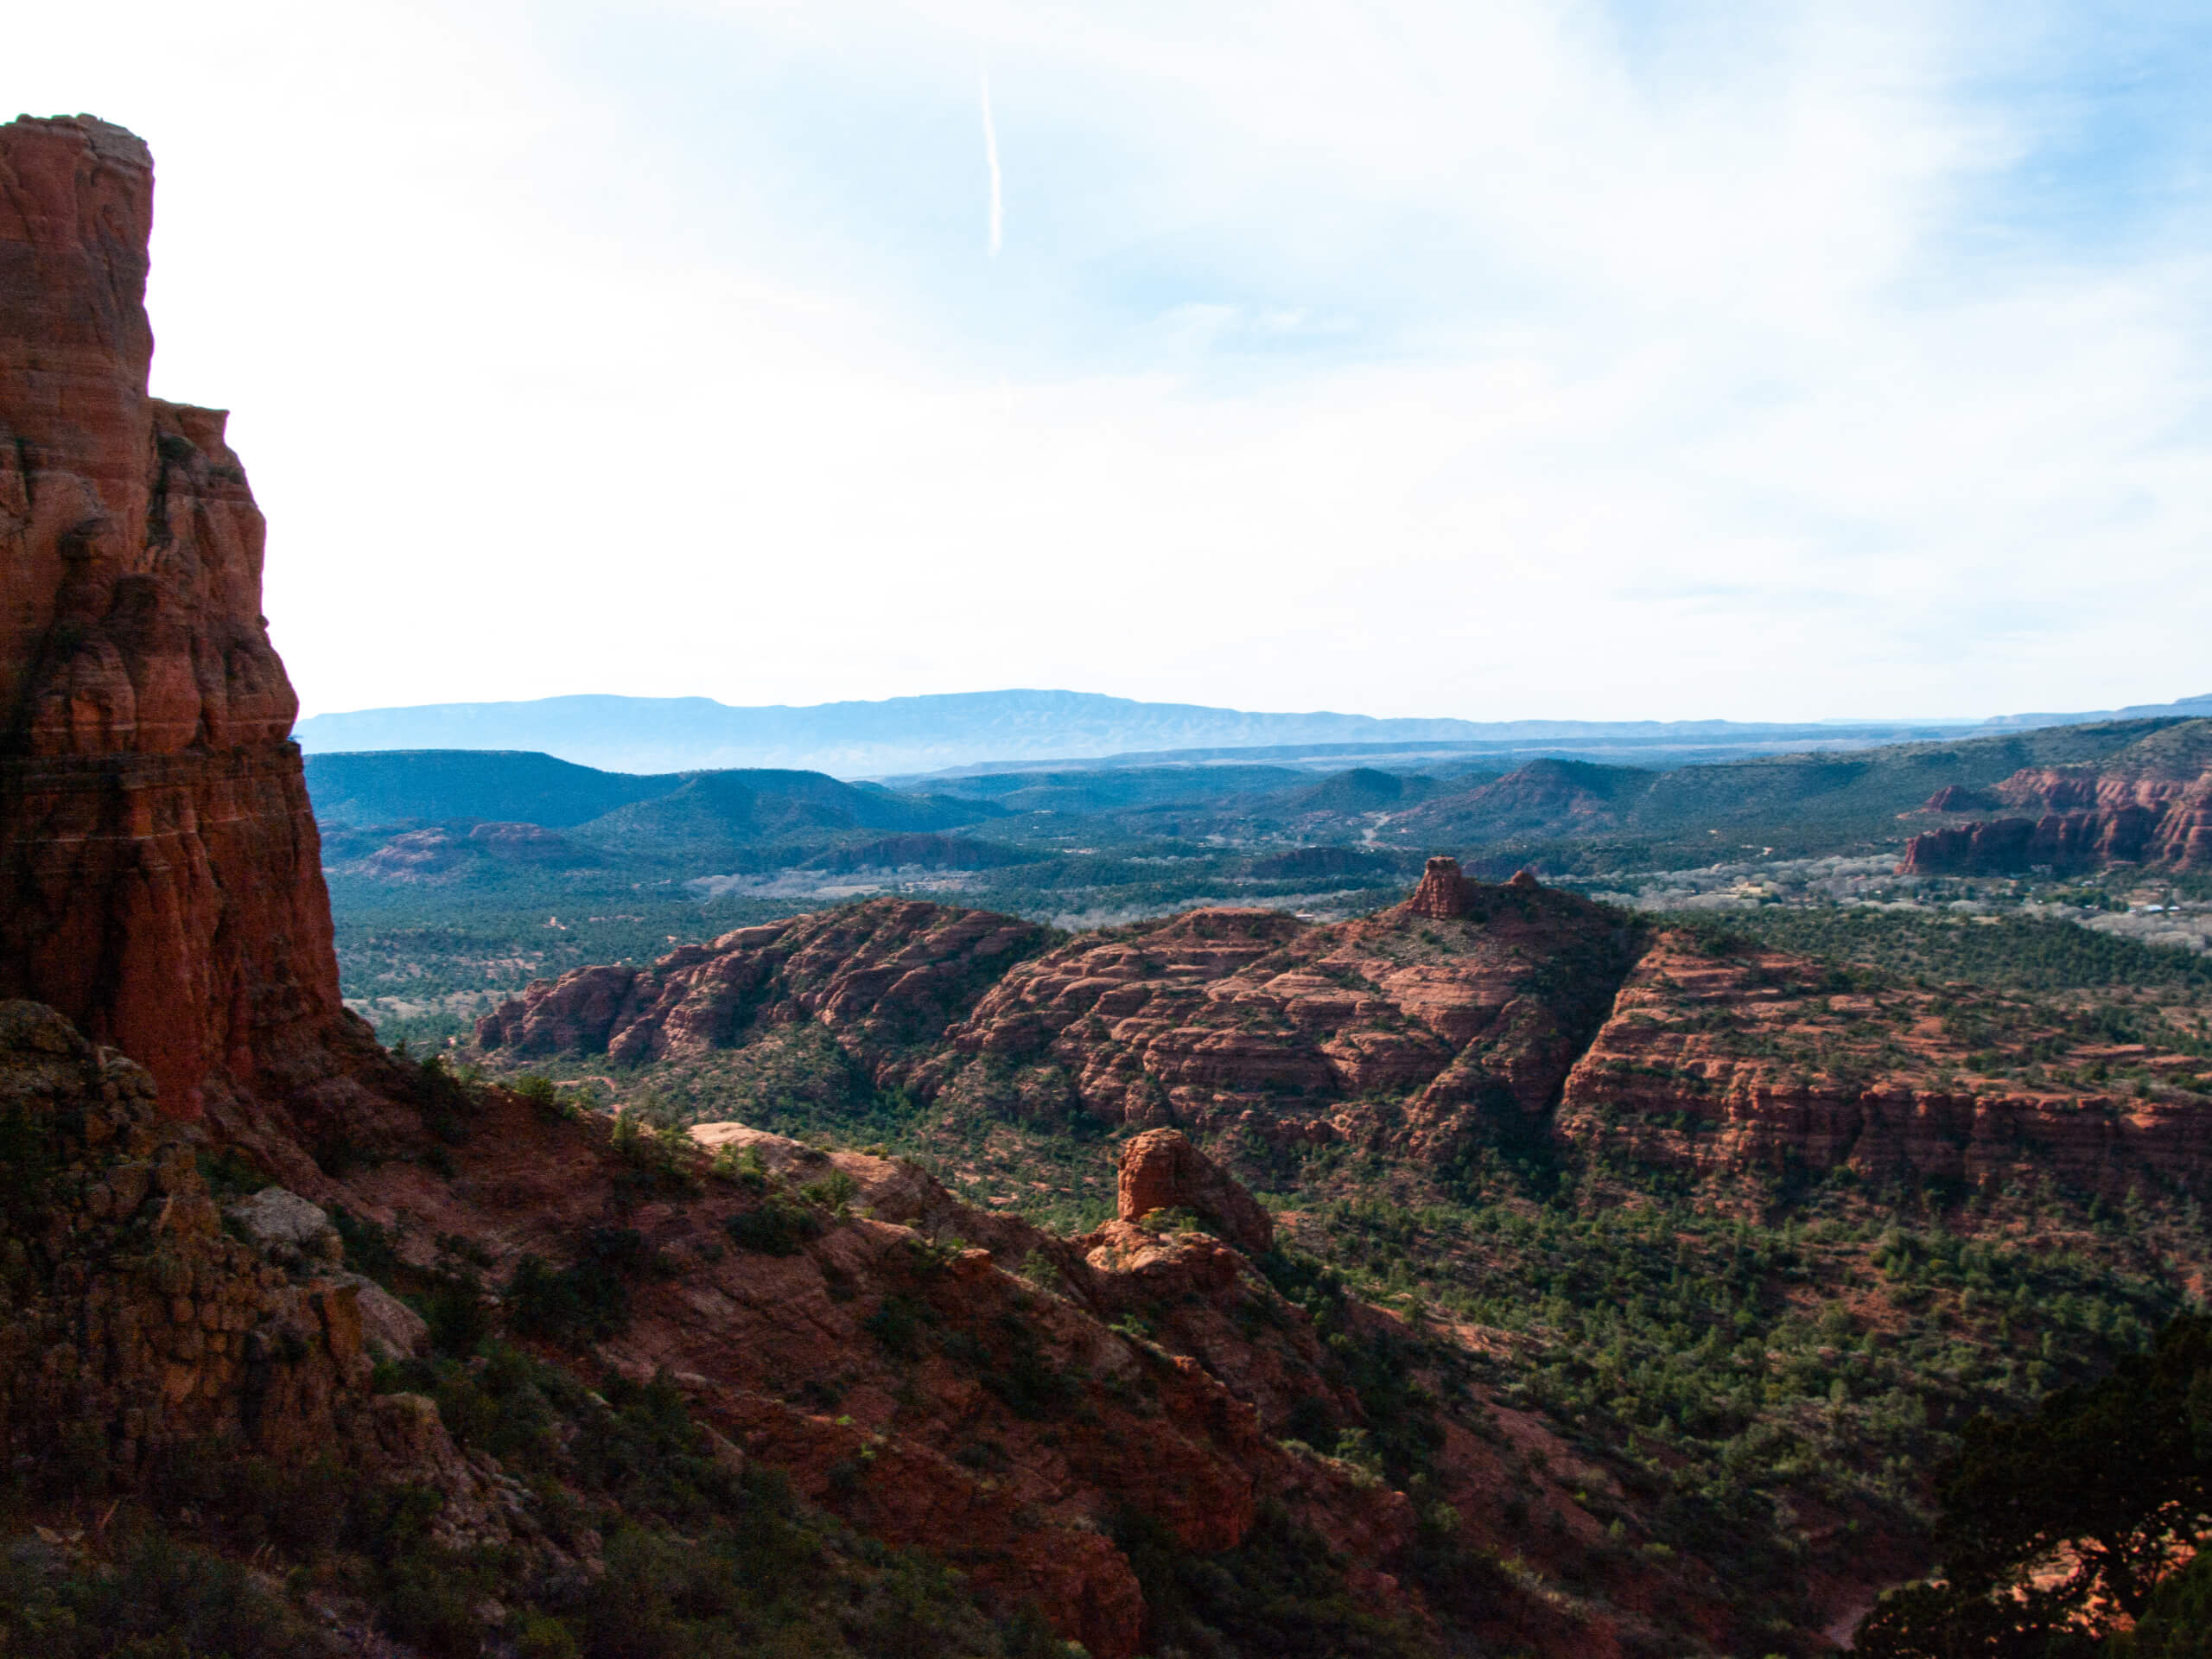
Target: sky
[1513, 360]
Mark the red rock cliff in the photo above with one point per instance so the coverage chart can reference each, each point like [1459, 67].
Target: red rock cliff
[2150, 803]
[162, 865]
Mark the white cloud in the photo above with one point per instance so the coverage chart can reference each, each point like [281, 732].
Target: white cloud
[1534, 361]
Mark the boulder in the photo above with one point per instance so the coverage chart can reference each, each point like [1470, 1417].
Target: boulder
[281, 1221]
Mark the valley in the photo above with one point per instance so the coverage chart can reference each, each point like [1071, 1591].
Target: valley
[1482, 1200]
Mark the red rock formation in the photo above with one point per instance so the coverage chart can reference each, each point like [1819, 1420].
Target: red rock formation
[2150, 803]
[1956, 797]
[1161, 1170]
[881, 976]
[163, 867]
[1442, 892]
[1406, 1024]
[1729, 1065]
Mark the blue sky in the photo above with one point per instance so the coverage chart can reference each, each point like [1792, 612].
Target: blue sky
[1496, 360]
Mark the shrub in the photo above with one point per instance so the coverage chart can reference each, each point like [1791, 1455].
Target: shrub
[897, 1324]
[777, 1227]
[1280, 1594]
[587, 1300]
[545, 1098]
[161, 1598]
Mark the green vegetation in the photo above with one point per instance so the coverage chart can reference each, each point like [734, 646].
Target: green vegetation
[585, 1302]
[1279, 1595]
[2059, 1527]
[159, 1598]
[2009, 951]
[423, 966]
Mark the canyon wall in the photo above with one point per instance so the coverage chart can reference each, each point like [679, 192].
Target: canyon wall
[2149, 804]
[1748, 1064]
[161, 862]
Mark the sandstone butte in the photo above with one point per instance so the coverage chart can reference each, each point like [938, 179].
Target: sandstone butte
[2150, 805]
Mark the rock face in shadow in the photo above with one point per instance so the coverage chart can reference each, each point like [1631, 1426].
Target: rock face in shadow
[130, 1321]
[161, 866]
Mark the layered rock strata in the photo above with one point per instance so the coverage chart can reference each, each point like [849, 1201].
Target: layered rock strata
[2149, 804]
[882, 977]
[1408, 1028]
[161, 862]
[1210, 1018]
[1724, 1065]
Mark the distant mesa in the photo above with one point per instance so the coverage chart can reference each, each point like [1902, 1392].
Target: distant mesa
[851, 739]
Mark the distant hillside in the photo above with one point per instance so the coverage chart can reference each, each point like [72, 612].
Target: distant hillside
[918, 734]
[849, 738]
[1107, 790]
[1798, 803]
[742, 808]
[395, 785]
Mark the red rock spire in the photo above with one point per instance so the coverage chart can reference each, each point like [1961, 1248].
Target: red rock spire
[164, 872]
[1442, 893]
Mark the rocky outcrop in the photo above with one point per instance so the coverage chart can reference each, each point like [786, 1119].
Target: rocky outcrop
[161, 862]
[2150, 804]
[1161, 1170]
[939, 1376]
[882, 977]
[1747, 1063]
[1442, 893]
[1473, 999]
[1957, 798]
[130, 1321]
[1408, 1028]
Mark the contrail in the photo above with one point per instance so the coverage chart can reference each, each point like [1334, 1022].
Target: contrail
[991, 156]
